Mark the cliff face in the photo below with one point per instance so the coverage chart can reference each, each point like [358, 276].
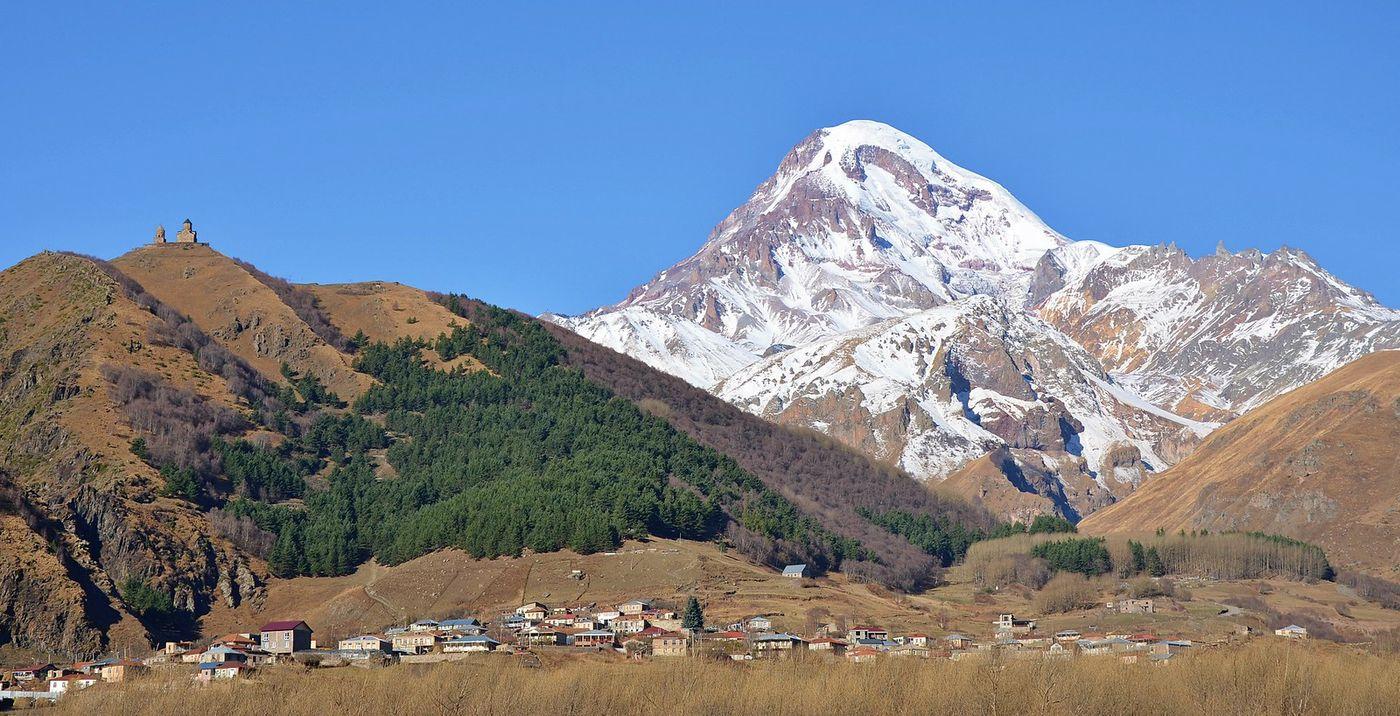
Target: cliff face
[80, 514]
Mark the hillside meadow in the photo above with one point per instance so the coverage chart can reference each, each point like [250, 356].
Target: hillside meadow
[1263, 677]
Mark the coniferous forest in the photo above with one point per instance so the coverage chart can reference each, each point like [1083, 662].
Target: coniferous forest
[527, 454]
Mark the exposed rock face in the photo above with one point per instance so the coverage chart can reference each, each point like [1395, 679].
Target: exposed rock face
[1320, 463]
[1215, 336]
[940, 388]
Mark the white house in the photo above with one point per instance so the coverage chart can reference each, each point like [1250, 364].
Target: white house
[365, 643]
[1292, 631]
[467, 644]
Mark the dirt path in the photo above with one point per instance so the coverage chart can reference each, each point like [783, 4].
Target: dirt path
[373, 577]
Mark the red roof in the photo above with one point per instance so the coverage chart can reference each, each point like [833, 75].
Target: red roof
[729, 635]
[284, 625]
[651, 631]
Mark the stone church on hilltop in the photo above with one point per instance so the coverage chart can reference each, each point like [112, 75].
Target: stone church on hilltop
[187, 235]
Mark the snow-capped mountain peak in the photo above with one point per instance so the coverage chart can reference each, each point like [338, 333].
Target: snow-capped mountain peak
[860, 223]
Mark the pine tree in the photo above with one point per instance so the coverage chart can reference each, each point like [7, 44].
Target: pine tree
[694, 617]
[1139, 556]
[1155, 567]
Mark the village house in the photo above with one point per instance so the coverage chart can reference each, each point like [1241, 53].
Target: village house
[1069, 635]
[594, 639]
[560, 619]
[857, 633]
[876, 644]
[219, 654]
[175, 648]
[365, 642]
[542, 636]
[827, 645]
[636, 606]
[416, 642]
[469, 643]
[239, 641]
[1292, 631]
[907, 649]
[534, 611]
[469, 625]
[606, 617]
[423, 625]
[668, 644]
[224, 671]
[71, 682]
[586, 623]
[1008, 623]
[759, 623]
[795, 571]
[118, 671]
[285, 637]
[915, 639]
[1133, 606]
[33, 672]
[778, 645]
[958, 641]
[629, 624]
[861, 655]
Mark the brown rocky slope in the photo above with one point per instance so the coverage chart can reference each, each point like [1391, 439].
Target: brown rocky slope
[1321, 463]
[80, 513]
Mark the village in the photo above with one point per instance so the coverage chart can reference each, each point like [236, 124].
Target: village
[638, 629]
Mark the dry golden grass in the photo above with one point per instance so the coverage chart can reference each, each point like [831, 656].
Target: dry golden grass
[1265, 677]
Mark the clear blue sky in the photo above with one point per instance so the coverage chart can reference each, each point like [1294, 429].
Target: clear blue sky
[550, 157]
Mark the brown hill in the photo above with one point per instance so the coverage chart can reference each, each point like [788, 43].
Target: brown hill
[1321, 463]
[242, 312]
[69, 481]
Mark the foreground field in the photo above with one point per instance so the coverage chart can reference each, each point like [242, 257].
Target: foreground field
[1261, 678]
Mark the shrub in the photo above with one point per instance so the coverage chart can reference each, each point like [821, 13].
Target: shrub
[1067, 592]
[144, 600]
[1009, 569]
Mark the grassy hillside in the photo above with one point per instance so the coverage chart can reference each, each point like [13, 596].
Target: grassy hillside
[1321, 463]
